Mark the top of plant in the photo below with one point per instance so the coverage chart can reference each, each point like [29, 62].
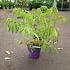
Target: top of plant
[38, 22]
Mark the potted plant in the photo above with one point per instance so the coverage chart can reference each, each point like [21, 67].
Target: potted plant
[39, 24]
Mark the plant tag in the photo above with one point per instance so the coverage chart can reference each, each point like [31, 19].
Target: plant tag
[36, 47]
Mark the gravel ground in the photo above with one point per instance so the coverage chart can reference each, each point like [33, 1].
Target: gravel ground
[15, 57]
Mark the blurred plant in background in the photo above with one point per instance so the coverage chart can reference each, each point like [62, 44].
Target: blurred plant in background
[7, 4]
[39, 3]
[63, 4]
[21, 3]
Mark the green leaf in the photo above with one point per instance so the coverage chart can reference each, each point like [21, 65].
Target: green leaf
[52, 33]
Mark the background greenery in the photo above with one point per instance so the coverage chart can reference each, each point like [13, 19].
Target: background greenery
[64, 5]
[34, 3]
[6, 3]
[39, 3]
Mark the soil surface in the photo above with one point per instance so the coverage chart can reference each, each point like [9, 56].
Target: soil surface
[15, 57]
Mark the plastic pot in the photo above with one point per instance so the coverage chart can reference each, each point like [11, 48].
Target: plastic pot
[1, 7]
[34, 52]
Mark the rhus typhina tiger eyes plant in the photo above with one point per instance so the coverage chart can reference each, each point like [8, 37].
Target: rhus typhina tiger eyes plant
[39, 24]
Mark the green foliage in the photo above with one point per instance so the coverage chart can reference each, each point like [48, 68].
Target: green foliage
[39, 23]
[39, 3]
[59, 3]
[65, 4]
[21, 3]
[43, 8]
[7, 3]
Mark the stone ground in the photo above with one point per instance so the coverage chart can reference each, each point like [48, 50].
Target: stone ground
[18, 55]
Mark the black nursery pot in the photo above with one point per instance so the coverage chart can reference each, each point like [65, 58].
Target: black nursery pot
[34, 52]
[1, 7]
